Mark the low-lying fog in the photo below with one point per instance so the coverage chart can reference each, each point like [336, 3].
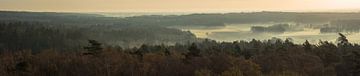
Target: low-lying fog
[298, 33]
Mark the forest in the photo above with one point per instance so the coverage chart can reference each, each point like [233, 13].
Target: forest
[208, 58]
[83, 44]
[19, 35]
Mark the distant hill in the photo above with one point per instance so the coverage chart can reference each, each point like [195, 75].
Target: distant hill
[205, 19]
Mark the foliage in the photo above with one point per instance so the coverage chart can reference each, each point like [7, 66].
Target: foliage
[207, 58]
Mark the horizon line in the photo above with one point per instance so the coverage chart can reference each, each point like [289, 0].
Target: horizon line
[192, 11]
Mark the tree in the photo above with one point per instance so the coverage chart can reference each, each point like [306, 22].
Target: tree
[307, 46]
[93, 48]
[194, 51]
[342, 40]
[288, 42]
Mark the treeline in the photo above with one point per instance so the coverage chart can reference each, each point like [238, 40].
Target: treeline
[277, 28]
[210, 20]
[215, 19]
[20, 35]
[207, 58]
[347, 25]
[35, 36]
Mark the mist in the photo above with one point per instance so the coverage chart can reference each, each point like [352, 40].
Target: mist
[237, 32]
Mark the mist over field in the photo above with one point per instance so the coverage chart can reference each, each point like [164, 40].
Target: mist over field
[233, 32]
[296, 30]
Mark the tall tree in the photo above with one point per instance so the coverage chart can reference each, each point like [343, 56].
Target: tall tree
[342, 40]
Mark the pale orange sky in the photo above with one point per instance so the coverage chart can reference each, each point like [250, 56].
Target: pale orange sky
[176, 5]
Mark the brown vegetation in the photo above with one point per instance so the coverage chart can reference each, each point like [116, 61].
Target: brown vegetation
[208, 58]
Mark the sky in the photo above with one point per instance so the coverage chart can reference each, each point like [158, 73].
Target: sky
[177, 5]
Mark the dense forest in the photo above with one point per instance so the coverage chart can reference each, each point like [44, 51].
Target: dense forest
[208, 58]
[78, 44]
[22, 35]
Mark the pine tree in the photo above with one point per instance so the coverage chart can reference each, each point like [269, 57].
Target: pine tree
[307, 46]
[342, 40]
[194, 51]
[94, 47]
[288, 42]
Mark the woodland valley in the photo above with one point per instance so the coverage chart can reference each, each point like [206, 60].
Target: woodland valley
[263, 43]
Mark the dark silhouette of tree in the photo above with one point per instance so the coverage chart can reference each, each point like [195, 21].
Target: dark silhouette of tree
[94, 48]
[288, 42]
[194, 51]
[142, 50]
[167, 52]
[342, 40]
[307, 46]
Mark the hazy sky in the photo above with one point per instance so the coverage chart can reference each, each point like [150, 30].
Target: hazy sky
[176, 5]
